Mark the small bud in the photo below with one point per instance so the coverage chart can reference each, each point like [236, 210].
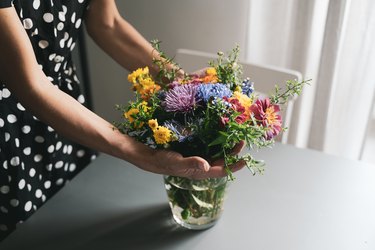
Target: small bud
[220, 53]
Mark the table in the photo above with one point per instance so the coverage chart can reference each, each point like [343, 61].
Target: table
[305, 200]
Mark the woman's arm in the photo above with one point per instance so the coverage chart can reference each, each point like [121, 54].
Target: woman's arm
[21, 73]
[117, 37]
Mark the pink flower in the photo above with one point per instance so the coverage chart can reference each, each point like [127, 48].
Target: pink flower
[224, 120]
[241, 118]
[267, 115]
[236, 106]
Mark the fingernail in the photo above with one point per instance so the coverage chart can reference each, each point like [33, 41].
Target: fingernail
[205, 167]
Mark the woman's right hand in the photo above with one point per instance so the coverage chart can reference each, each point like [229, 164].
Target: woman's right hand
[169, 162]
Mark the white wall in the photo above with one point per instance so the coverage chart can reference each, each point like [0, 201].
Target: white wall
[207, 25]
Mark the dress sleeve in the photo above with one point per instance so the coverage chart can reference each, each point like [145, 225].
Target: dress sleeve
[6, 3]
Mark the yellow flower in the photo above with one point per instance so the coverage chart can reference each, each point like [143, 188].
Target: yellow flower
[143, 106]
[245, 101]
[211, 71]
[146, 82]
[143, 83]
[147, 91]
[153, 123]
[162, 135]
[139, 73]
[239, 89]
[211, 76]
[131, 116]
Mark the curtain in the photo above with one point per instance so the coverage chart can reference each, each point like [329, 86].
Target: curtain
[333, 43]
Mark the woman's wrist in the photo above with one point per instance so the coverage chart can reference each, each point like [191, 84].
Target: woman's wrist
[130, 150]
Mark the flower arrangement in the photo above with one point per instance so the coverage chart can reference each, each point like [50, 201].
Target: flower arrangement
[202, 115]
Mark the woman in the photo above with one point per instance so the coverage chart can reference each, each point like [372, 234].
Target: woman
[46, 135]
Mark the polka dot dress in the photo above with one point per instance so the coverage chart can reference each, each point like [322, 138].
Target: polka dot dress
[35, 161]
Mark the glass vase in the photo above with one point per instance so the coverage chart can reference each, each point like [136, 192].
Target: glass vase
[196, 204]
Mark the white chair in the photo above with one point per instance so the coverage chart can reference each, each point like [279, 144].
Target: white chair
[264, 77]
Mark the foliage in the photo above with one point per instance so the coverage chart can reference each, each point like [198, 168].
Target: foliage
[204, 115]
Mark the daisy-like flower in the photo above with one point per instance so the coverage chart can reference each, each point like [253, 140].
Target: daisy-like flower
[162, 135]
[267, 115]
[211, 76]
[143, 83]
[245, 101]
[182, 98]
[138, 74]
[238, 107]
[153, 124]
[131, 115]
[135, 114]
[206, 91]
[147, 91]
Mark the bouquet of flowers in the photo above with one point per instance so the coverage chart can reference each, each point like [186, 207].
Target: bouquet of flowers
[203, 115]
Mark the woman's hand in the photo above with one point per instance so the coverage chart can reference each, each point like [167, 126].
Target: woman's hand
[199, 73]
[168, 162]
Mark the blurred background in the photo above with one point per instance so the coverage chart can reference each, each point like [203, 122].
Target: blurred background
[329, 41]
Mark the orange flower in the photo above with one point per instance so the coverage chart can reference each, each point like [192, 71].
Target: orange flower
[211, 76]
[143, 83]
[147, 91]
[131, 114]
[245, 101]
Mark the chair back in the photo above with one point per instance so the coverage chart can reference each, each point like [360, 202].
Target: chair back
[264, 77]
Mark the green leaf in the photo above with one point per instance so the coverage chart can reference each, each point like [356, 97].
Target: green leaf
[221, 139]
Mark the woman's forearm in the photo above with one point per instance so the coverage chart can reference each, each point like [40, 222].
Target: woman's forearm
[117, 37]
[22, 75]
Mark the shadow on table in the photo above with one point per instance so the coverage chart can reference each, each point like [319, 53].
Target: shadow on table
[141, 228]
[145, 228]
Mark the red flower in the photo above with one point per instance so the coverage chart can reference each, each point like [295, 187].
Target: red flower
[241, 118]
[267, 115]
[224, 120]
[237, 107]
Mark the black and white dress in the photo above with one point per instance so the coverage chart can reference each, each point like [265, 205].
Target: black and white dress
[35, 161]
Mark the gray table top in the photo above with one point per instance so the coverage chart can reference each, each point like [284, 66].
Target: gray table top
[305, 200]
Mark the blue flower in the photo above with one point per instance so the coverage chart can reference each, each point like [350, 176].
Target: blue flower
[247, 87]
[213, 90]
[178, 130]
[161, 94]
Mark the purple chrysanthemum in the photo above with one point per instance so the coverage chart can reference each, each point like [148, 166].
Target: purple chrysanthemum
[181, 98]
[214, 90]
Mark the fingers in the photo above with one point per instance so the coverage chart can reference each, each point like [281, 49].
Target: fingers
[215, 171]
[238, 148]
[200, 73]
[220, 169]
[198, 162]
[172, 163]
[235, 151]
[192, 167]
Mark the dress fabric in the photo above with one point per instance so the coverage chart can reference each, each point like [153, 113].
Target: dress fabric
[35, 161]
